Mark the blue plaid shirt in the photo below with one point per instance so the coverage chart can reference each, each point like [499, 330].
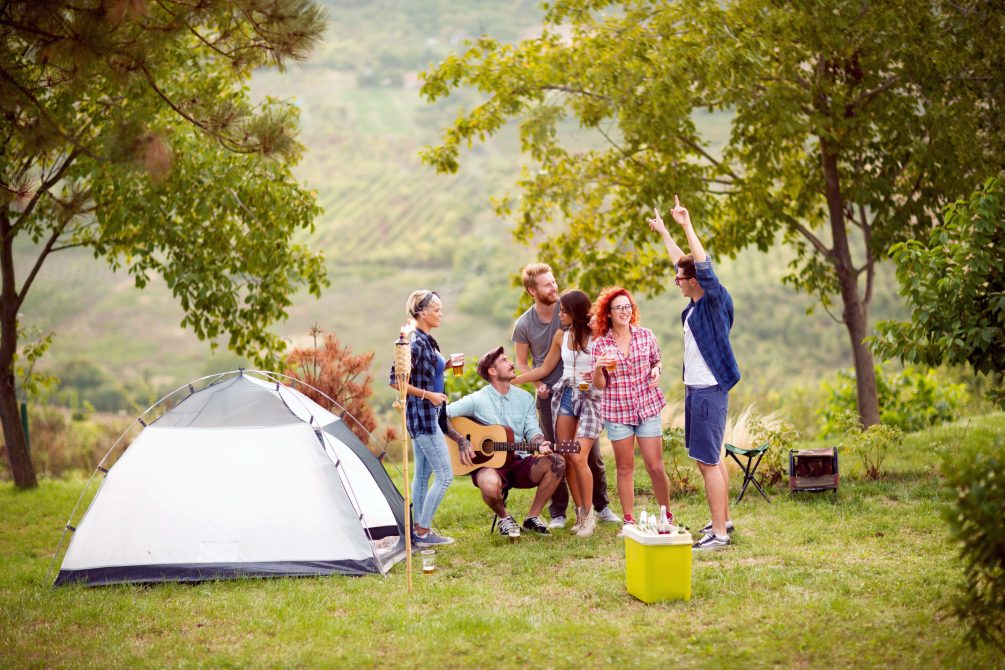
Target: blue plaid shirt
[711, 321]
[421, 416]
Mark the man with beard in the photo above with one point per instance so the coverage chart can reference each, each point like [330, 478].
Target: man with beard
[501, 403]
[533, 334]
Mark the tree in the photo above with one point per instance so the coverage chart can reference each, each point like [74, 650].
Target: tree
[127, 129]
[954, 283]
[339, 375]
[849, 123]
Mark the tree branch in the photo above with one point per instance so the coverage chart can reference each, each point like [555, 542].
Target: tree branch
[870, 256]
[869, 96]
[44, 188]
[223, 139]
[813, 239]
[46, 250]
[574, 91]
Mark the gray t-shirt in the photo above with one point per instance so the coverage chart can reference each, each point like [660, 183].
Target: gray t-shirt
[529, 329]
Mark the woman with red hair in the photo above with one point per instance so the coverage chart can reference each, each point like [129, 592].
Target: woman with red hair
[627, 367]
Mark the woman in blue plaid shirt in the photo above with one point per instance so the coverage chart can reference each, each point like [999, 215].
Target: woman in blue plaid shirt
[425, 418]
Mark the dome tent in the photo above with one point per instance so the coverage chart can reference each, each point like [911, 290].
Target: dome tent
[245, 477]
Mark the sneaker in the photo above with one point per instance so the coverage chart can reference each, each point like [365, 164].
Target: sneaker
[608, 515]
[535, 524]
[556, 522]
[431, 539]
[509, 526]
[710, 543]
[628, 522]
[708, 528]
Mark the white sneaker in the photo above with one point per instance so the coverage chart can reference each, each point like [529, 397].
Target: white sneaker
[557, 522]
[608, 515]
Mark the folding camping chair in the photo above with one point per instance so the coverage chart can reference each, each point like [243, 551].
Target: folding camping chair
[749, 467]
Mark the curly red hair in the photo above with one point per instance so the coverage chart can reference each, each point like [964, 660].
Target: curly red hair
[602, 309]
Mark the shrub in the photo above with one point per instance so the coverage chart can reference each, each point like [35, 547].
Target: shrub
[62, 444]
[872, 445]
[976, 474]
[337, 373]
[681, 483]
[909, 400]
[749, 429]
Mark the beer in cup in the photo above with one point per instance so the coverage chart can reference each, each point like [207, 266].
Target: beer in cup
[457, 363]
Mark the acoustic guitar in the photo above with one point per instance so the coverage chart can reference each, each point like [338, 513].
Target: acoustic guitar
[492, 445]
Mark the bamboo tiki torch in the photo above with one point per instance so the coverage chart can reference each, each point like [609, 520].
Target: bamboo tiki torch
[402, 371]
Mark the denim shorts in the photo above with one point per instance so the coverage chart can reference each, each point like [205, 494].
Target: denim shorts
[705, 422]
[567, 408]
[651, 427]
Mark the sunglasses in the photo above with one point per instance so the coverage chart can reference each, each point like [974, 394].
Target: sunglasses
[678, 280]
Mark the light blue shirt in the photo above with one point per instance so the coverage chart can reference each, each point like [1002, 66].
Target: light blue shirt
[516, 409]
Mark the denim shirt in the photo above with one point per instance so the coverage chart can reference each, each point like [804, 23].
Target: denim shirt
[711, 321]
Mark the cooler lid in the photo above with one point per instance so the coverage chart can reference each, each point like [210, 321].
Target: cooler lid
[633, 533]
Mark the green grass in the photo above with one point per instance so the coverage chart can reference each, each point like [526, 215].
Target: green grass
[864, 582]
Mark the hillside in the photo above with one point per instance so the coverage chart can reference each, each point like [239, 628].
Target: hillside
[391, 225]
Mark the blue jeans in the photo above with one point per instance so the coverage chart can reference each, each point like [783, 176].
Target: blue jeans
[431, 460]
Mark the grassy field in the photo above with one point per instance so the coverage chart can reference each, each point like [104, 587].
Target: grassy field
[864, 582]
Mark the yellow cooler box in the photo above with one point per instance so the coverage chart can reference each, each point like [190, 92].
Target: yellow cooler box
[657, 567]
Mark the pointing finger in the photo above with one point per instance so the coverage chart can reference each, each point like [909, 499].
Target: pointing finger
[676, 202]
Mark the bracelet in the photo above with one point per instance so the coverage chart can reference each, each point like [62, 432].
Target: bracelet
[423, 393]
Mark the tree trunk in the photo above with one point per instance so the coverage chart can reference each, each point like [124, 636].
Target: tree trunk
[855, 310]
[15, 444]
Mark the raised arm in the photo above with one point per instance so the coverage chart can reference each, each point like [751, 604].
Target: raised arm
[683, 219]
[550, 361]
[656, 224]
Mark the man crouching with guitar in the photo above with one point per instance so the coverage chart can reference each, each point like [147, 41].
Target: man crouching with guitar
[506, 406]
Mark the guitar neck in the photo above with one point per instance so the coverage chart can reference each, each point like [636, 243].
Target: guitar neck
[513, 446]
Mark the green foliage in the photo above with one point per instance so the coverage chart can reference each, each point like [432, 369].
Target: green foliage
[681, 483]
[83, 384]
[31, 384]
[975, 476]
[910, 400]
[872, 445]
[955, 286]
[779, 436]
[128, 130]
[828, 148]
[458, 386]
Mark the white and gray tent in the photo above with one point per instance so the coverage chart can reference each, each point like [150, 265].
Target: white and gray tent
[246, 477]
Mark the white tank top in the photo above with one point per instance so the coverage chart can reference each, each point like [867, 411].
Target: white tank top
[576, 363]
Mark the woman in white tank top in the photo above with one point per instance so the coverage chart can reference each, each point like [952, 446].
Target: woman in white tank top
[575, 401]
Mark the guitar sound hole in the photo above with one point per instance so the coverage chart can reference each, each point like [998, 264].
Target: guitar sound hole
[483, 452]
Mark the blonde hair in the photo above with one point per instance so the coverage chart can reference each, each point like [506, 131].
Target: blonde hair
[417, 298]
[531, 272]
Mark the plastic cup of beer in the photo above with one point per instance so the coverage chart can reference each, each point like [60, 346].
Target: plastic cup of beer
[457, 363]
[428, 561]
[612, 365]
[514, 535]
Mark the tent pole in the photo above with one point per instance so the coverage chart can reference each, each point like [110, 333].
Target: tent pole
[402, 371]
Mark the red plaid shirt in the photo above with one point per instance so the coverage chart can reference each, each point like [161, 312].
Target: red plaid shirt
[628, 398]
